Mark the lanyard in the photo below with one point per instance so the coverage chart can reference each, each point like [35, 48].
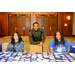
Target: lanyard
[13, 45]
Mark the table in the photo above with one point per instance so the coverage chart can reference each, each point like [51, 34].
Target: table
[72, 47]
[36, 57]
[1, 46]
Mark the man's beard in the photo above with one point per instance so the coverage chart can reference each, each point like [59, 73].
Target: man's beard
[35, 30]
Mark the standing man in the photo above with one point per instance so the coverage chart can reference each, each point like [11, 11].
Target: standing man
[37, 35]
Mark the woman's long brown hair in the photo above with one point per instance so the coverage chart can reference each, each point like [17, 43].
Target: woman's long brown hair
[62, 38]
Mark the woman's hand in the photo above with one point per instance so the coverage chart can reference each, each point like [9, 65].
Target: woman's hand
[51, 50]
[68, 51]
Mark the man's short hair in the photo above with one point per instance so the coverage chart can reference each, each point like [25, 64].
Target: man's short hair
[35, 23]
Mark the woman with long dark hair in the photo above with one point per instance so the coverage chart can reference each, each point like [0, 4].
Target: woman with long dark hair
[59, 44]
[15, 44]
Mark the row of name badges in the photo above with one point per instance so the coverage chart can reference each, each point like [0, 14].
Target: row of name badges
[35, 57]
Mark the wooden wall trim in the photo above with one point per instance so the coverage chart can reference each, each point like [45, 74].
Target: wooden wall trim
[33, 19]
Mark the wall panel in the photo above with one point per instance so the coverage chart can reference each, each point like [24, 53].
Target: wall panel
[61, 20]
